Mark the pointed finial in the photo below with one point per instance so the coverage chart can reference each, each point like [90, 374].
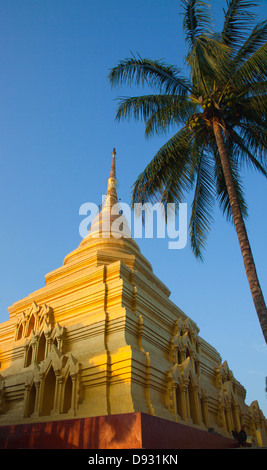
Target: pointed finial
[113, 168]
[112, 181]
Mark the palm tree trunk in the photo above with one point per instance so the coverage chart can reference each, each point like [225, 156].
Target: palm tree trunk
[250, 268]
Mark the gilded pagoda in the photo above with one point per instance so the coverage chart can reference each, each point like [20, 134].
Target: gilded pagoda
[102, 337]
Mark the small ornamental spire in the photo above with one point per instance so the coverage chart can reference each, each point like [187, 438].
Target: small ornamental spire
[112, 181]
[113, 167]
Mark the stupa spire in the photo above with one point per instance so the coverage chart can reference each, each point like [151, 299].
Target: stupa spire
[109, 237]
[113, 165]
[112, 181]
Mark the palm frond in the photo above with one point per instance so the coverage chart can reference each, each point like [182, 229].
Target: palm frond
[168, 176]
[258, 88]
[208, 60]
[201, 215]
[171, 114]
[237, 21]
[254, 69]
[157, 111]
[256, 39]
[222, 193]
[155, 73]
[254, 110]
[197, 20]
[251, 147]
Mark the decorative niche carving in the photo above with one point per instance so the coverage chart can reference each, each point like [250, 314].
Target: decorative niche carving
[33, 320]
[185, 344]
[52, 380]
[52, 387]
[40, 332]
[185, 396]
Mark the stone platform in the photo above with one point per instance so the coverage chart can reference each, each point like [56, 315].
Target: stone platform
[123, 431]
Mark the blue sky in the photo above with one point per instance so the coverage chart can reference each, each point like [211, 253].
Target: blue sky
[57, 132]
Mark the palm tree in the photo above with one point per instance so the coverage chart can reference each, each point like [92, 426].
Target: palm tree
[219, 113]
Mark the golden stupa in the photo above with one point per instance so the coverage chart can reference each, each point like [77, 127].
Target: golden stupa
[102, 338]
